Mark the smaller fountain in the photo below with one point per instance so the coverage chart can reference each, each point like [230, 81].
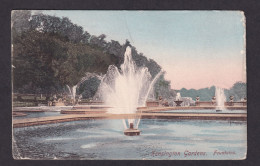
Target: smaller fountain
[131, 131]
[220, 99]
[178, 100]
[73, 89]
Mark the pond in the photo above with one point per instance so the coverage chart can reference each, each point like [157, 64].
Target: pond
[160, 139]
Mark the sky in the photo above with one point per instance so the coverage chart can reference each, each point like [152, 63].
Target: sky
[196, 49]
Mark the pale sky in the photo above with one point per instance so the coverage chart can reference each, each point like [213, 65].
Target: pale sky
[197, 49]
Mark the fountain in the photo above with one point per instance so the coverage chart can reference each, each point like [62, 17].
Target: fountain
[72, 92]
[178, 100]
[73, 89]
[125, 89]
[132, 131]
[220, 99]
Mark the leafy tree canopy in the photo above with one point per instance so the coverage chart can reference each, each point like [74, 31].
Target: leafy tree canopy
[50, 52]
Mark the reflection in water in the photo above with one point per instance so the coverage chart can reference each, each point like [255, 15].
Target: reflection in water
[104, 139]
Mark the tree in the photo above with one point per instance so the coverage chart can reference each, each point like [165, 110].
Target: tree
[114, 47]
[89, 87]
[34, 56]
[239, 91]
[162, 88]
[50, 52]
[205, 94]
[20, 21]
[62, 26]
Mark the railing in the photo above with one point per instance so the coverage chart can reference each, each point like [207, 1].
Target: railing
[91, 102]
[211, 103]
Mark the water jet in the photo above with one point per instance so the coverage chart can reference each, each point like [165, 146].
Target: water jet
[220, 99]
[126, 88]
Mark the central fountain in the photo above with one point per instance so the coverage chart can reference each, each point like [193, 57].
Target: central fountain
[126, 88]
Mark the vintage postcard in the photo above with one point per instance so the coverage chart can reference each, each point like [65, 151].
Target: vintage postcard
[129, 85]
